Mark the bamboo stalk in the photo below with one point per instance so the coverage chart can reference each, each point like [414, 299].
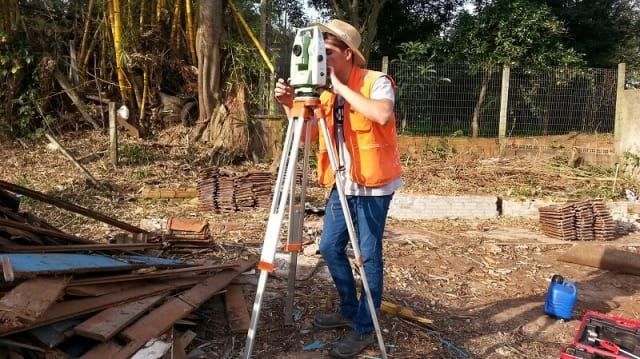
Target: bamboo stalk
[141, 20]
[82, 51]
[116, 28]
[87, 55]
[145, 90]
[191, 31]
[175, 27]
[159, 7]
[10, 16]
[4, 15]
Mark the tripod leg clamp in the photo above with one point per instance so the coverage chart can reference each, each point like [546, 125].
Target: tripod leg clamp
[269, 267]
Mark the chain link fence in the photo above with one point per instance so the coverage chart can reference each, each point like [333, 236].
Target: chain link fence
[444, 100]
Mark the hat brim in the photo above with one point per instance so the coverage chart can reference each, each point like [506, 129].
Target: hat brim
[359, 58]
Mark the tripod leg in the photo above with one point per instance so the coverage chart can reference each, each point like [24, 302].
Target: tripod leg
[296, 228]
[339, 173]
[284, 183]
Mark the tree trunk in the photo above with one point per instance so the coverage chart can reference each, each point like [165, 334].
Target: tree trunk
[227, 131]
[208, 40]
[478, 108]
[350, 11]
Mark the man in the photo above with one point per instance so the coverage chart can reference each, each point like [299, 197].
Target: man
[360, 118]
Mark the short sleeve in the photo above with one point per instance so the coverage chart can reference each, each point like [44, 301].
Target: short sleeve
[383, 89]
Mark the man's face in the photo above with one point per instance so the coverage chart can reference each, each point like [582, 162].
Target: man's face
[337, 58]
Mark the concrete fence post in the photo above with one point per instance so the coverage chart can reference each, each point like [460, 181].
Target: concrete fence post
[504, 100]
[385, 64]
[617, 125]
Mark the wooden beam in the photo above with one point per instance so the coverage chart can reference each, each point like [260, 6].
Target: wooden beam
[106, 324]
[162, 318]
[31, 298]
[70, 207]
[156, 274]
[236, 307]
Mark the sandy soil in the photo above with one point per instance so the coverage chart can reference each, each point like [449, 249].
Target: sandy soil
[483, 283]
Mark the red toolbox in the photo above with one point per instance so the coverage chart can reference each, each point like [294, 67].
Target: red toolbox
[602, 336]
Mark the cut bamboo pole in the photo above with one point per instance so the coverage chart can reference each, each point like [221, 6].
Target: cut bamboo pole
[73, 160]
[68, 89]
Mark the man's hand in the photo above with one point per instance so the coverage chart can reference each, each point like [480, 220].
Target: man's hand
[284, 94]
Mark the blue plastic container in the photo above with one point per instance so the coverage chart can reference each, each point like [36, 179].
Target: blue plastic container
[561, 297]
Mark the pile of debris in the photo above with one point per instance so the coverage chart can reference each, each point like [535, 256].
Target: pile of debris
[578, 220]
[69, 297]
[223, 191]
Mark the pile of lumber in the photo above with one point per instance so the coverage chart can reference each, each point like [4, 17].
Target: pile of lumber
[222, 191]
[578, 220]
[65, 296]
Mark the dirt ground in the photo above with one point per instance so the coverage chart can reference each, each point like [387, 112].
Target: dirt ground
[483, 283]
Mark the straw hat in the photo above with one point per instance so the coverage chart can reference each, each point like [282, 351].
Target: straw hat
[348, 34]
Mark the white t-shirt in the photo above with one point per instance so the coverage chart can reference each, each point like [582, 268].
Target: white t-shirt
[382, 89]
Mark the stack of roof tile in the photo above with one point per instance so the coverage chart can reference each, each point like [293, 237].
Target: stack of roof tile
[578, 220]
[223, 191]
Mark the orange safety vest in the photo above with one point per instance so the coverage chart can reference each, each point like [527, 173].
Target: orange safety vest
[375, 159]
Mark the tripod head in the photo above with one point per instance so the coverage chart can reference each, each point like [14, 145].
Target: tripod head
[308, 63]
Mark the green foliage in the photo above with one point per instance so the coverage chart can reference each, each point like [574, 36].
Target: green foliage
[417, 80]
[515, 33]
[605, 31]
[20, 93]
[439, 151]
[136, 154]
[631, 159]
[140, 174]
[243, 65]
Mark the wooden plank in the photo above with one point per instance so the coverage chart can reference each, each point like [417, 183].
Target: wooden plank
[95, 290]
[61, 248]
[180, 342]
[162, 318]
[104, 325]
[60, 263]
[159, 320]
[31, 298]
[146, 276]
[236, 307]
[7, 270]
[78, 307]
[55, 334]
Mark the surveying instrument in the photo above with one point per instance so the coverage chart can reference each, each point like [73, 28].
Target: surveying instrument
[308, 79]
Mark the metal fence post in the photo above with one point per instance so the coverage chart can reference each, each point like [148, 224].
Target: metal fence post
[504, 99]
[385, 64]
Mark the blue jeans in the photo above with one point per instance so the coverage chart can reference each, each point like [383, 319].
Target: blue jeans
[369, 215]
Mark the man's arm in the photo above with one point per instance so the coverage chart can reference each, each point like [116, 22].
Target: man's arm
[376, 110]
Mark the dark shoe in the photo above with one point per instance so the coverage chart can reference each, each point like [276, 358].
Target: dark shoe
[331, 321]
[352, 344]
